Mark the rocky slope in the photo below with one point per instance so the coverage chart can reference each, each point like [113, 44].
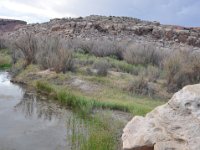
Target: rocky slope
[8, 25]
[174, 125]
[117, 28]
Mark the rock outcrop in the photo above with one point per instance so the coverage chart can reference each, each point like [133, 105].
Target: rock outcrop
[116, 28]
[8, 25]
[173, 126]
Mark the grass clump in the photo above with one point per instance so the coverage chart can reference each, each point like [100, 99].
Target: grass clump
[5, 60]
[100, 48]
[102, 136]
[48, 52]
[54, 53]
[5, 66]
[143, 54]
[44, 87]
[139, 86]
[78, 104]
[85, 105]
[182, 68]
[93, 132]
[112, 63]
[28, 46]
[99, 133]
[102, 68]
[2, 43]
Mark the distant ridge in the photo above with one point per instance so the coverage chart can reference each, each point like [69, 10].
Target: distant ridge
[111, 28]
[9, 25]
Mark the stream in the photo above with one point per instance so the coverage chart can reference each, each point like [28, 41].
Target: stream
[28, 122]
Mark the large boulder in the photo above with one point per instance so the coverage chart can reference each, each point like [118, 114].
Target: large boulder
[173, 126]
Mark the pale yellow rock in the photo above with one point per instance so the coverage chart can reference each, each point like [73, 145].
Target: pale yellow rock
[173, 126]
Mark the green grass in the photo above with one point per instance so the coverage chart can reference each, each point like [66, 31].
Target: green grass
[101, 135]
[75, 102]
[94, 132]
[108, 95]
[5, 66]
[120, 65]
[86, 104]
[99, 79]
[5, 60]
[102, 132]
[44, 87]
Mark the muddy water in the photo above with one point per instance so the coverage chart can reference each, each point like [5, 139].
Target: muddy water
[28, 122]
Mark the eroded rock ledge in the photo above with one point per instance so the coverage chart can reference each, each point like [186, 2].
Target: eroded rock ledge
[173, 126]
[115, 28]
[9, 25]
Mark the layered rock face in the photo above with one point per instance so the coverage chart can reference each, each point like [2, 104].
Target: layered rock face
[8, 25]
[173, 126]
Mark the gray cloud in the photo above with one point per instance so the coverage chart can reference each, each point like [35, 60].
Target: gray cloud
[180, 12]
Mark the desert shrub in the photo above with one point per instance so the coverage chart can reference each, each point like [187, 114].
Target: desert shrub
[144, 83]
[143, 86]
[139, 86]
[27, 45]
[18, 67]
[9, 48]
[83, 46]
[195, 63]
[53, 53]
[89, 71]
[16, 55]
[143, 54]
[153, 73]
[2, 43]
[102, 68]
[182, 68]
[44, 86]
[64, 61]
[121, 65]
[100, 48]
[106, 48]
[5, 61]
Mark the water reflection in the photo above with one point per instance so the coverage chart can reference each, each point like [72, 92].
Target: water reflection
[33, 105]
[4, 76]
[8, 91]
[29, 121]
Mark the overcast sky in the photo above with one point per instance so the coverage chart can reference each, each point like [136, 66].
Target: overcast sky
[180, 12]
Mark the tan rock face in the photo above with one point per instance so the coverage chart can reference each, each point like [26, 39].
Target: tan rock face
[173, 126]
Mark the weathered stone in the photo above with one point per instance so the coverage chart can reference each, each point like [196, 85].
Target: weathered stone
[182, 35]
[173, 126]
[197, 43]
[98, 27]
[55, 28]
[169, 34]
[8, 25]
[191, 40]
[157, 33]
